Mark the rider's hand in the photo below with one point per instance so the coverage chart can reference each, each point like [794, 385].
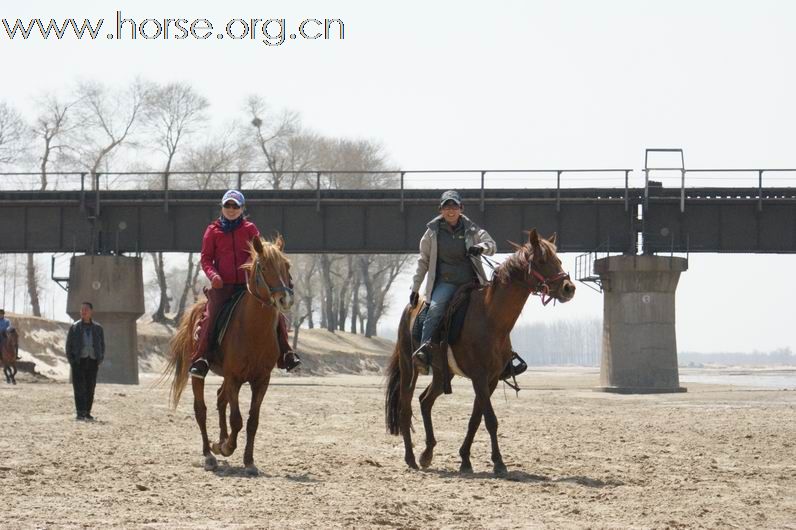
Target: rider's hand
[217, 282]
[413, 299]
[475, 250]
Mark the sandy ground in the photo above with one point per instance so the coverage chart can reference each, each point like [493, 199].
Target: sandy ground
[715, 457]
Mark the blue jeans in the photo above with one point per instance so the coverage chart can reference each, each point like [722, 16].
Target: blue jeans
[440, 296]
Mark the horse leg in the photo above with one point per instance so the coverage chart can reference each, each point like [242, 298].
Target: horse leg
[483, 391]
[221, 405]
[235, 420]
[258, 393]
[14, 375]
[200, 412]
[427, 399]
[472, 428]
[408, 381]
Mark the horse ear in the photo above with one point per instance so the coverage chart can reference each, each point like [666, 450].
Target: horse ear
[552, 238]
[257, 245]
[280, 242]
[533, 238]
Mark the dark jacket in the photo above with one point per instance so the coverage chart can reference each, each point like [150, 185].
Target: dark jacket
[74, 341]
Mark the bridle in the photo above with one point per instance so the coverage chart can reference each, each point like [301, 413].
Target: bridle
[259, 281]
[542, 286]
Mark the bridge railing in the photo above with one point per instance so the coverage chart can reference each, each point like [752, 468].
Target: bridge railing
[758, 184]
[319, 180]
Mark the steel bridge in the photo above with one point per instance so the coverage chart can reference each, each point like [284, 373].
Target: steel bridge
[386, 212]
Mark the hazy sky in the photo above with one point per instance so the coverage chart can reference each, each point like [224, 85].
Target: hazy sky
[501, 85]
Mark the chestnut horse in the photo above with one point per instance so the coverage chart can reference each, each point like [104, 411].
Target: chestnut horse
[8, 353]
[481, 352]
[249, 351]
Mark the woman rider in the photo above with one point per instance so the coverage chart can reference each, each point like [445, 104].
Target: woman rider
[225, 247]
[447, 252]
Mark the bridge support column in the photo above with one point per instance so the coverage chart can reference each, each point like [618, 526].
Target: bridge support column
[639, 351]
[115, 287]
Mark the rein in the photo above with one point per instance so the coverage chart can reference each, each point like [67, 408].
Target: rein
[259, 281]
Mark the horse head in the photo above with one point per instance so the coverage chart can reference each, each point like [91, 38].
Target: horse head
[537, 265]
[269, 273]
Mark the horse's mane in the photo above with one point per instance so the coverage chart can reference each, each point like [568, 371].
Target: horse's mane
[517, 264]
[271, 254]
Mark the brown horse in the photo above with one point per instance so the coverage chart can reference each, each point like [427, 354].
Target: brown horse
[249, 351]
[9, 353]
[482, 351]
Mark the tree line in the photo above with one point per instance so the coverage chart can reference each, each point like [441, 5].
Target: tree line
[147, 126]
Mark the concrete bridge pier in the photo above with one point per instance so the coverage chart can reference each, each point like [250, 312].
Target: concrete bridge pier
[115, 286]
[639, 352]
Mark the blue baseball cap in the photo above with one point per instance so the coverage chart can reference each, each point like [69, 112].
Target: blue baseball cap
[234, 196]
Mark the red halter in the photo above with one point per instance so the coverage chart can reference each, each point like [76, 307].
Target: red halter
[542, 288]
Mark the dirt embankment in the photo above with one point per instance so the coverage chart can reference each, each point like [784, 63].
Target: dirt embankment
[42, 343]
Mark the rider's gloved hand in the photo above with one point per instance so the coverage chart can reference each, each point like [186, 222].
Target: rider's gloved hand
[475, 250]
[217, 282]
[413, 298]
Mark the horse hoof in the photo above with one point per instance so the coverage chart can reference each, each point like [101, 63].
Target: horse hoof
[466, 469]
[252, 471]
[412, 464]
[216, 448]
[500, 470]
[425, 459]
[211, 464]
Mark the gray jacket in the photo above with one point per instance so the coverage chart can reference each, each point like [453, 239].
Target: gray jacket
[427, 262]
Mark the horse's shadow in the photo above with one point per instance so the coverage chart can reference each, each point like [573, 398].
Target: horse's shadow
[226, 470]
[522, 476]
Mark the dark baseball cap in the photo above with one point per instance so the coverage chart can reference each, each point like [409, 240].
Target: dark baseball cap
[451, 195]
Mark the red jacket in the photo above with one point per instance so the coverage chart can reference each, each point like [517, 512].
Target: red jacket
[224, 253]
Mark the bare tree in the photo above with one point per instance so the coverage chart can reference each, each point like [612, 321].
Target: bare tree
[13, 141]
[378, 274]
[303, 267]
[107, 119]
[164, 305]
[328, 313]
[272, 139]
[173, 112]
[52, 127]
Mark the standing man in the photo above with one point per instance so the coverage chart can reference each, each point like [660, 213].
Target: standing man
[85, 350]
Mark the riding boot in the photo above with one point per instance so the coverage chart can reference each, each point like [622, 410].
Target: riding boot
[422, 357]
[199, 365]
[289, 359]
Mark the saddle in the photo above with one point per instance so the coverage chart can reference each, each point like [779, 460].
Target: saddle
[453, 321]
[222, 321]
[450, 331]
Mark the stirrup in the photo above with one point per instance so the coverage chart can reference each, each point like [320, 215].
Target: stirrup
[422, 358]
[515, 367]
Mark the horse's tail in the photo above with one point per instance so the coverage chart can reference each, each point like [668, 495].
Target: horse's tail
[392, 398]
[182, 346]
